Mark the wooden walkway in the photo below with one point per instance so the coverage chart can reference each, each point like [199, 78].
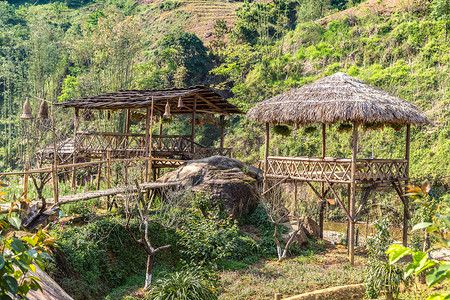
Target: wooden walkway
[96, 194]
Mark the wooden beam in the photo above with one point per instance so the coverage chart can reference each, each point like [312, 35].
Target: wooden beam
[314, 190]
[339, 201]
[406, 215]
[213, 105]
[275, 185]
[363, 202]
[352, 197]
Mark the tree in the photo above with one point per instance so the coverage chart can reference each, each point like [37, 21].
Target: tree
[167, 208]
[190, 54]
[441, 11]
[277, 207]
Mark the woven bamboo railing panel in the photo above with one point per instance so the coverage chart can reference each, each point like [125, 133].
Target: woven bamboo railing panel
[336, 170]
[167, 145]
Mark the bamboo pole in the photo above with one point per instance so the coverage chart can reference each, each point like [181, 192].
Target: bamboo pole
[74, 158]
[266, 155]
[353, 195]
[150, 145]
[55, 157]
[25, 183]
[194, 117]
[147, 141]
[99, 175]
[108, 169]
[322, 184]
[405, 198]
[222, 133]
[127, 124]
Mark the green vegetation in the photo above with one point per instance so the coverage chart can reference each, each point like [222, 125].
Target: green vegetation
[65, 50]
[436, 271]
[183, 285]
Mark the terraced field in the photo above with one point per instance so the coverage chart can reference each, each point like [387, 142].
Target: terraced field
[198, 16]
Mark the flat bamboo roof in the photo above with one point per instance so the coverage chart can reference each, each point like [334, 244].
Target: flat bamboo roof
[207, 101]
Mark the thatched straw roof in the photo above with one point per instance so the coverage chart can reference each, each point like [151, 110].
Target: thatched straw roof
[207, 101]
[337, 98]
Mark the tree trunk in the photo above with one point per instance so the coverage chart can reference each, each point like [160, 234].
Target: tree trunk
[148, 272]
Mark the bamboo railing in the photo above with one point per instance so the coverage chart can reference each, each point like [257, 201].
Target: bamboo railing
[337, 169]
[181, 146]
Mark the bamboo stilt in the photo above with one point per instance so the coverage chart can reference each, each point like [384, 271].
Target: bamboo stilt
[405, 198]
[352, 198]
[266, 155]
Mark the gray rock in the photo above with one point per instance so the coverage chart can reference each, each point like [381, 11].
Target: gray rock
[224, 178]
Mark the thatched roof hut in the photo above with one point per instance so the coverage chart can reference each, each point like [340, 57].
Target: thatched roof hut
[337, 98]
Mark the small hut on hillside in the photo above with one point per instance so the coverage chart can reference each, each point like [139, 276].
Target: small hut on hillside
[149, 107]
[349, 101]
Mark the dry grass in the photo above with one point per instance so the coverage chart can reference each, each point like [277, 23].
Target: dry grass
[337, 98]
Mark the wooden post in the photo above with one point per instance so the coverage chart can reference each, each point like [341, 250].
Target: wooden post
[295, 198]
[25, 182]
[322, 184]
[221, 119]
[353, 195]
[55, 184]
[55, 158]
[266, 155]
[277, 296]
[108, 169]
[147, 142]
[405, 198]
[194, 117]
[99, 175]
[74, 157]
[127, 124]
[150, 145]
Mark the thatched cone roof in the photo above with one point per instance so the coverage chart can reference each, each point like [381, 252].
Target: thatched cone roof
[337, 98]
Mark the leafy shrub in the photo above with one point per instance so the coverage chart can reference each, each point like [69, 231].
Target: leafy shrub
[87, 210]
[205, 241]
[380, 275]
[186, 284]
[101, 255]
[169, 5]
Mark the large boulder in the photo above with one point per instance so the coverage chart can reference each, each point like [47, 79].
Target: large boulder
[224, 178]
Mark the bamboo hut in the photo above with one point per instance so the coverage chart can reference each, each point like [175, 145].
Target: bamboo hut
[152, 105]
[347, 100]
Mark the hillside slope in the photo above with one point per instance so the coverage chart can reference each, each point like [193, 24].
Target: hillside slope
[197, 16]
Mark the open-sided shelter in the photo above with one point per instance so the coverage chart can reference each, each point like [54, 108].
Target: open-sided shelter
[151, 105]
[342, 99]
